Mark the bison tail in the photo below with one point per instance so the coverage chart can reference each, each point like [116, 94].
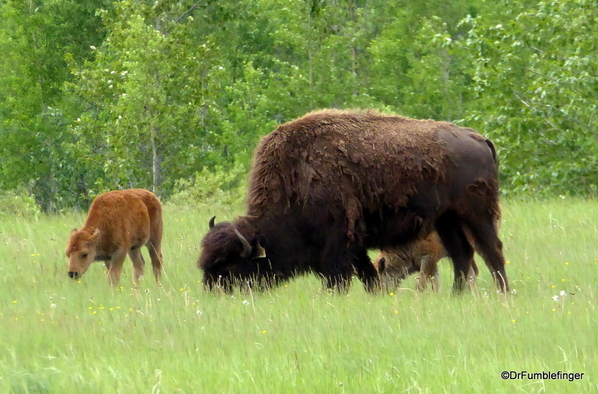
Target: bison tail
[493, 150]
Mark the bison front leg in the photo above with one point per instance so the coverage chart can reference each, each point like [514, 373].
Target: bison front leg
[366, 272]
[115, 266]
[138, 264]
[336, 266]
[338, 281]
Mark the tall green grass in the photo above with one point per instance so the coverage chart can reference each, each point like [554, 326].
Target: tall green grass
[63, 336]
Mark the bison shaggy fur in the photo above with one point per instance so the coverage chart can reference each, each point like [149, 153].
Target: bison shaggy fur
[118, 222]
[325, 188]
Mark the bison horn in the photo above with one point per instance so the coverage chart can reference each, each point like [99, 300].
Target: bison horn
[246, 246]
[211, 223]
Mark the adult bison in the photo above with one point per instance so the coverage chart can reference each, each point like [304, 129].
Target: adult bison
[119, 222]
[421, 256]
[326, 187]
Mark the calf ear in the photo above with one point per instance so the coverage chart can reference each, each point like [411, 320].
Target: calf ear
[73, 231]
[382, 265]
[260, 252]
[260, 248]
[94, 236]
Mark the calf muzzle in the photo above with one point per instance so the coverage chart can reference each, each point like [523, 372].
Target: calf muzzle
[74, 275]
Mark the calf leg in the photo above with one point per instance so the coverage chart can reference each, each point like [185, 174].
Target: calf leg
[428, 270]
[138, 264]
[388, 280]
[473, 272]
[366, 272]
[450, 230]
[115, 266]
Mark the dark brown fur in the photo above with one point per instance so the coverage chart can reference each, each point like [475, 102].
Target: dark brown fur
[326, 187]
[119, 222]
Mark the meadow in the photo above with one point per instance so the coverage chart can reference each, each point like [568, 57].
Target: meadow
[59, 335]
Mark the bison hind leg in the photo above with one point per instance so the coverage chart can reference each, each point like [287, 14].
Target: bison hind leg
[489, 246]
[450, 229]
[156, 257]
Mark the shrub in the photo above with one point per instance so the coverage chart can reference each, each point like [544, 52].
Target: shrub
[18, 202]
[217, 187]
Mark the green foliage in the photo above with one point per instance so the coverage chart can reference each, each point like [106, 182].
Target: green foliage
[421, 74]
[18, 202]
[105, 95]
[535, 77]
[35, 38]
[211, 189]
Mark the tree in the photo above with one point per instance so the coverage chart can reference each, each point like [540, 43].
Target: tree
[144, 99]
[535, 81]
[35, 37]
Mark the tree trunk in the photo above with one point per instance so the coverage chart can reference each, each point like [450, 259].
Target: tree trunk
[156, 161]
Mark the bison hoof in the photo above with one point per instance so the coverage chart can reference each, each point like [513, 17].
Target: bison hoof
[74, 275]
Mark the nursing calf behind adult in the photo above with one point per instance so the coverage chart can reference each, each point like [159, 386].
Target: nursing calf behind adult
[420, 256]
[325, 188]
[119, 222]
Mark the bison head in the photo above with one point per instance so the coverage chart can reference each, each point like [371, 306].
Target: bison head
[81, 251]
[232, 253]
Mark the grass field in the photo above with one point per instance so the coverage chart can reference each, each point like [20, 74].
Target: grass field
[63, 336]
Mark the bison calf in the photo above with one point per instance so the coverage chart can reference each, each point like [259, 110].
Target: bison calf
[119, 222]
[418, 256]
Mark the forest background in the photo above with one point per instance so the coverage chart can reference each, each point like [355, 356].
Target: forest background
[173, 96]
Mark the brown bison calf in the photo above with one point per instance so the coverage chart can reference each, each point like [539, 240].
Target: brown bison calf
[119, 222]
[417, 256]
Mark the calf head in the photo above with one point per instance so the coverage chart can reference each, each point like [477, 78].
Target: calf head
[81, 251]
[394, 266]
[228, 257]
